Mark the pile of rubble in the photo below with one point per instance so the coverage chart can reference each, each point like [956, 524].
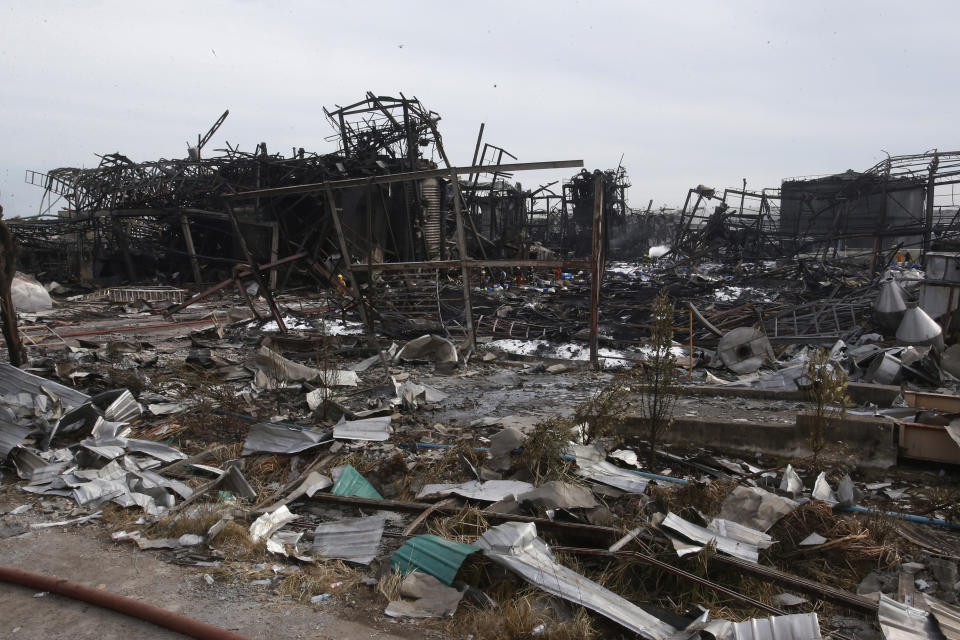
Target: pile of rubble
[313, 465]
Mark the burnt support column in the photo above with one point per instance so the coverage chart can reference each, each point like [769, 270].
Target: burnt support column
[191, 250]
[255, 271]
[352, 281]
[928, 221]
[8, 315]
[596, 269]
[464, 269]
[120, 234]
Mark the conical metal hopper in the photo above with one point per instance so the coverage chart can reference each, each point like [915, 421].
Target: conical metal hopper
[919, 329]
[890, 306]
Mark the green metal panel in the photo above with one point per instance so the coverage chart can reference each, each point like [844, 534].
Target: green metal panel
[351, 483]
[431, 554]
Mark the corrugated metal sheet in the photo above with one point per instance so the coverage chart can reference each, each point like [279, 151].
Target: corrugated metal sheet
[351, 539]
[902, 622]
[796, 626]
[372, 429]
[690, 531]
[516, 546]
[123, 408]
[274, 438]
[439, 557]
[948, 617]
[158, 450]
[351, 483]
[736, 531]
[11, 435]
[489, 491]
[14, 381]
[591, 464]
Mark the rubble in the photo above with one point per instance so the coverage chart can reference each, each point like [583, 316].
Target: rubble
[427, 379]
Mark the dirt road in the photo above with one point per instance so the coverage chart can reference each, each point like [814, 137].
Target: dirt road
[82, 556]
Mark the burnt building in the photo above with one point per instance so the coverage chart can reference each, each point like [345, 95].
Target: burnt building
[853, 210]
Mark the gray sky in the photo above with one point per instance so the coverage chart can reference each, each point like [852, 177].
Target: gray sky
[689, 92]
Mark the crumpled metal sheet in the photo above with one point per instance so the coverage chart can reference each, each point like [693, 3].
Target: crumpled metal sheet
[371, 429]
[431, 598]
[167, 408]
[158, 450]
[26, 461]
[156, 480]
[64, 523]
[822, 490]
[275, 367]
[560, 495]
[11, 435]
[515, 545]
[99, 489]
[233, 480]
[411, 395]
[744, 350]
[352, 539]
[122, 407]
[703, 536]
[267, 524]
[502, 445]
[109, 449]
[105, 430]
[903, 622]
[274, 438]
[848, 494]
[489, 491]
[142, 500]
[795, 626]
[755, 508]
[736, 531]
[428, 347]
[311, 484]
[592, 464]
[791, 482]
[15, 381]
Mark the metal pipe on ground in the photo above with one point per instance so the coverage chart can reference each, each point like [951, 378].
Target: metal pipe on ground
[116, 602]
[686, 575]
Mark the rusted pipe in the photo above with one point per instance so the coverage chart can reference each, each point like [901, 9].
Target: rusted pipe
[122, 604]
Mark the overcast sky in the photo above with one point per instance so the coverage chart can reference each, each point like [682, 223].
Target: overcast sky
[688, 92]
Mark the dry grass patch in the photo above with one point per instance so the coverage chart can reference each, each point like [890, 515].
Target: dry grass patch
[319, 579]
[389, 585]
[520, 618]
[449, 466]
[465, 525]
[706, 498]
[852, 550]
[177, 525]
[117, 516]
[235, 540]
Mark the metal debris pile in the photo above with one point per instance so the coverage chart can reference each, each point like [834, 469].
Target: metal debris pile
[280, 459]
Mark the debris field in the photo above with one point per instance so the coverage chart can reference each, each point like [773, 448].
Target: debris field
[476, 410]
